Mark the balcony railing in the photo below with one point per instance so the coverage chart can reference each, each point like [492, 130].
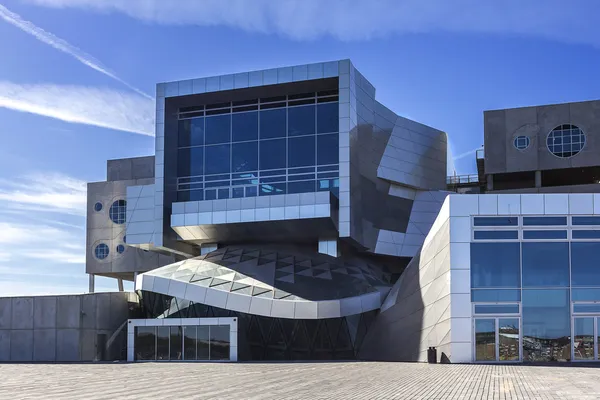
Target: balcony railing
[462, 179]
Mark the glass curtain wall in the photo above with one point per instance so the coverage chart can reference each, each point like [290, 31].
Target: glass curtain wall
[287, 144]
[182, 343]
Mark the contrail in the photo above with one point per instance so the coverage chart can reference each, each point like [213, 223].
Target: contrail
[62, 45]
[463, 155]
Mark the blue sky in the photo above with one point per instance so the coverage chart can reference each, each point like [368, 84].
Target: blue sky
[75, 77]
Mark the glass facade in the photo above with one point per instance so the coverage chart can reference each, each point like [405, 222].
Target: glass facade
[259, 338]
[549, 283]
[288, 144]
[182, 343]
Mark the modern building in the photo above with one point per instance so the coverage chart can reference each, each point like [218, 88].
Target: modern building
[288, 215]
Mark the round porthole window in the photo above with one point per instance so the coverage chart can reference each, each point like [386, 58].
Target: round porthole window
[120, 249]
[101, 251]
[522, 142]
[565, 141]
[98, 207]
[118, 211]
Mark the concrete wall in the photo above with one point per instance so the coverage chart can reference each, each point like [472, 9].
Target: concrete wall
[502, 126]
[121, 174]
[62, 328]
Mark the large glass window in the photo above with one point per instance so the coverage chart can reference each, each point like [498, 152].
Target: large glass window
[277, 145]
[189, 342]
[217, 159]
[162, 342]
[244, 157]
[495, 295]
[328, 149]
[495, 221]
[585, 263]
[145, 343]
[203, 342]
[485, 340]
[546, 325]
[301, 151]
[327, 117]
[583, 342]
[244, 126]
[219, 342]
[273, 123]
[546, 264]
[495, 265]
[176, 344]
[218, 129]
[272, 154]
[301, 120]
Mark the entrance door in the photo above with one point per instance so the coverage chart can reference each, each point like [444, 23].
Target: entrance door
[497, 339]
[585, 338]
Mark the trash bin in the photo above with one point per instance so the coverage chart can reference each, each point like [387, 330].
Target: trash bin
[432, 355]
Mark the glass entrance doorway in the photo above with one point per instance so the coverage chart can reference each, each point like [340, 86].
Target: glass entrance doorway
[585, 338]
[497, 339]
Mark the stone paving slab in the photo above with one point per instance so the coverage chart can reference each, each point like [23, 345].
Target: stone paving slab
[336, 380]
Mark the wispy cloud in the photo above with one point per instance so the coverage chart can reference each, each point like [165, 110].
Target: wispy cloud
[47, 192]
[565, 20]
[62, 45]
[84, 105]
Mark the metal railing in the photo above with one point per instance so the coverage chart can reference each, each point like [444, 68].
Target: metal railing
[462, 179]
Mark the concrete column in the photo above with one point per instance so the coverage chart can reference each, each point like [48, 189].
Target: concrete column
[329, 247]
[120, 283]
[206, 248]
[92, 283]
[538, 179]
[490, 183]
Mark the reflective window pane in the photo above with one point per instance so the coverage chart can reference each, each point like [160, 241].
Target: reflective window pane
[508, 339]
[328, 149]
[545, 264]
[219, 342]
[327, 117]
[495, 295]
[585, 263]
[585, 294]
[546, 325]
[495, 265]
[301, 120]
[189, 342]
[218, 129]
[586, 308]
[203, 343]
[273, 123]
[210, 194]
[496, 309]
[217, 159]
[145, 343]
[544, 234]
[244, 157]
[197, 132]
[190, 161]
[485, 340]
[176, 344]
[495, 221]
[271, 189]
[588, 234]
[544, 221]
[162, 342]
[301, 187]
[272, 154]
[244, 126]
[583, 341]
[184, 132]
[301, 151]
[495, 235]
[586, 220]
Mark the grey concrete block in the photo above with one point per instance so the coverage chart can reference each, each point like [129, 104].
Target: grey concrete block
[118, 309]
[68, 312]
[5, 313]
[67, 345]
[22, 313]
[21, 345]
[103, 311]
[88, 311]
[88, 342]
[4, 345]
[44, 312]
[44, 345]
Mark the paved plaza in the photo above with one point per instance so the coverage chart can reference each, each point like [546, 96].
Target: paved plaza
[343, 380]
